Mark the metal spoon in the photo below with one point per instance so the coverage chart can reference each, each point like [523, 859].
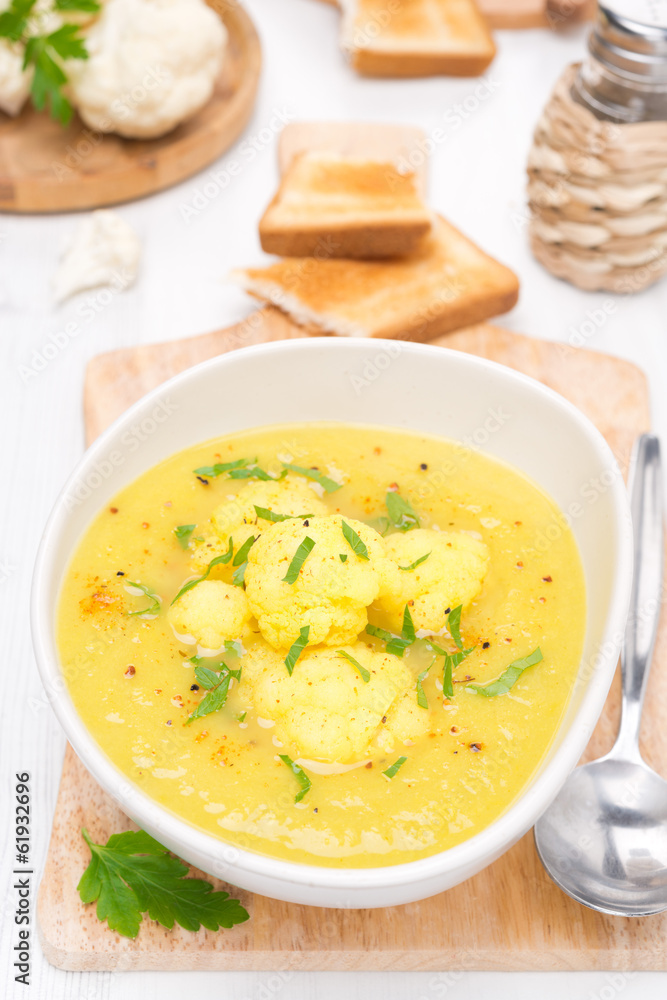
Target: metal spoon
[604, 838]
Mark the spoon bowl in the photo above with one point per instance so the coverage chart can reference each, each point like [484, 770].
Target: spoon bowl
[604, 839]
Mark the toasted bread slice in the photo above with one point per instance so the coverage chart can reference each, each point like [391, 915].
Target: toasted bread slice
[448, 283]
[344, 207]
[409, 38]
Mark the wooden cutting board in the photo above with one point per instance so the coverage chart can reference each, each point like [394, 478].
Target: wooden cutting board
[47, 168]
[510, 916]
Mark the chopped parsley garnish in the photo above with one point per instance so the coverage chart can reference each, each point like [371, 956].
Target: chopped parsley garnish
[213, 471]
[217, 687]
[253, 472]
[454, 625]
[421, 694]
[183, 532]
[299, 558]
[354, 541]
[238, 576]
[133, 874]
[416, 563]
[297, 648]
[241, 717]
[327, 484]
[218, 561]
[509, 677]
[299, 774]
[365, 675]
[241, 561]
[400, 511]
[380, 524]
[452, 661]
[270, 515]
[342, 556]
[153, 608]
[408, 630]
[233, 647]
[395, 767]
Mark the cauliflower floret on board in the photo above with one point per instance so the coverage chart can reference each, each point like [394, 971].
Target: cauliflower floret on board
[325, 709]
[151, 65]
[211, 612]
[333, 588]
[14, 80]
[452, 575]
[237, 517]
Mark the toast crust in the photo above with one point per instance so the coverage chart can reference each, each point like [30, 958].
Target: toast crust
[447, 284]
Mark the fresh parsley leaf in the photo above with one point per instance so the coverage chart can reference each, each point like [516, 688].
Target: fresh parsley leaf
[354, 541]
[509, 677]
[297, 648]
[183, 532]
[416, 563]
[422, 700]
[342, 556]
[88, 6]
[233, 647]
[454, 625]
[400, 511]
[299, 558]
[365, 676]
[380, 524]
[213, 471]
[327, 484]
[14, 20]
[218, 561]
[217, 687]
[395, 767]
[408, 630]
[153, 608]
[254, 472]
[241, 717]
[271, 515]
[238, 576]
[299, 774]
[133, 874]
[44, 54]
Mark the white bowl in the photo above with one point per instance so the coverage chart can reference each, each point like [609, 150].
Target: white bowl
[507, 415]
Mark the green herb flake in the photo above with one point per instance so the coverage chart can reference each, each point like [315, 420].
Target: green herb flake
[242, 554]
[297, 648]
[509, 677]
[422, 700]
[395, 644]
[400, 511]
[454, 625]
[252, 473]
[395, 767]
[299, 774]
[234, 647]
[327, 484]
[342, 556]
[416, 563]
[133, 874]
[241, 717]
[452, 660]
[217, 687]
[218, 561]
[271, 515]
[219, 469]
[153, 608]
[354, 541]
[299, 558]
[408, 630]
[365, 675]
[183, 532]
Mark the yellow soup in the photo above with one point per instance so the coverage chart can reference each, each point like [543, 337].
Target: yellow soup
[372, 656]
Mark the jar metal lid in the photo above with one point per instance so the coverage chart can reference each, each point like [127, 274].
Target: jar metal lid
[630, 36]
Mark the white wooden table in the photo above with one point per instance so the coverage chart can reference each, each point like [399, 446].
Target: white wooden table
[478, 182]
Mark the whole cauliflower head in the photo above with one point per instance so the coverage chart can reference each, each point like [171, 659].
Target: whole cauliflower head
[453, 574]
[237, 517]
[210, 613]
[151, 65]
[330, 594]
[325, 709]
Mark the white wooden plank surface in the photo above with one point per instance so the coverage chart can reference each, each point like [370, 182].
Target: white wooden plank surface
[478, 182]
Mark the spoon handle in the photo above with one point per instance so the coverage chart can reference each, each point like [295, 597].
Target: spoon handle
[646, 500]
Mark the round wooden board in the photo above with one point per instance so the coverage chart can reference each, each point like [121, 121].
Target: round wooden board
[47, 168]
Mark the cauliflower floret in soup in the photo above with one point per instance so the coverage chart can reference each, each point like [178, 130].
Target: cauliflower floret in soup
[210, 612]
[152, 64]
[332, 590]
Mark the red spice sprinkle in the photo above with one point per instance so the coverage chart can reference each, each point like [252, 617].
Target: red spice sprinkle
[547, 579]
[377, 450]
[370, 764]
[454, 729]
[130, 672]
[542, 600]
[508, 640]
[145, 524]
[520, 565]
[158, 690]
[384, 719]
[113, 510]
[393, 487]
[476, 747]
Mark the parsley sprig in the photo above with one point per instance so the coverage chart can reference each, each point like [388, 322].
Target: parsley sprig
[45, 52]
[216, 685]
[133, 874]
